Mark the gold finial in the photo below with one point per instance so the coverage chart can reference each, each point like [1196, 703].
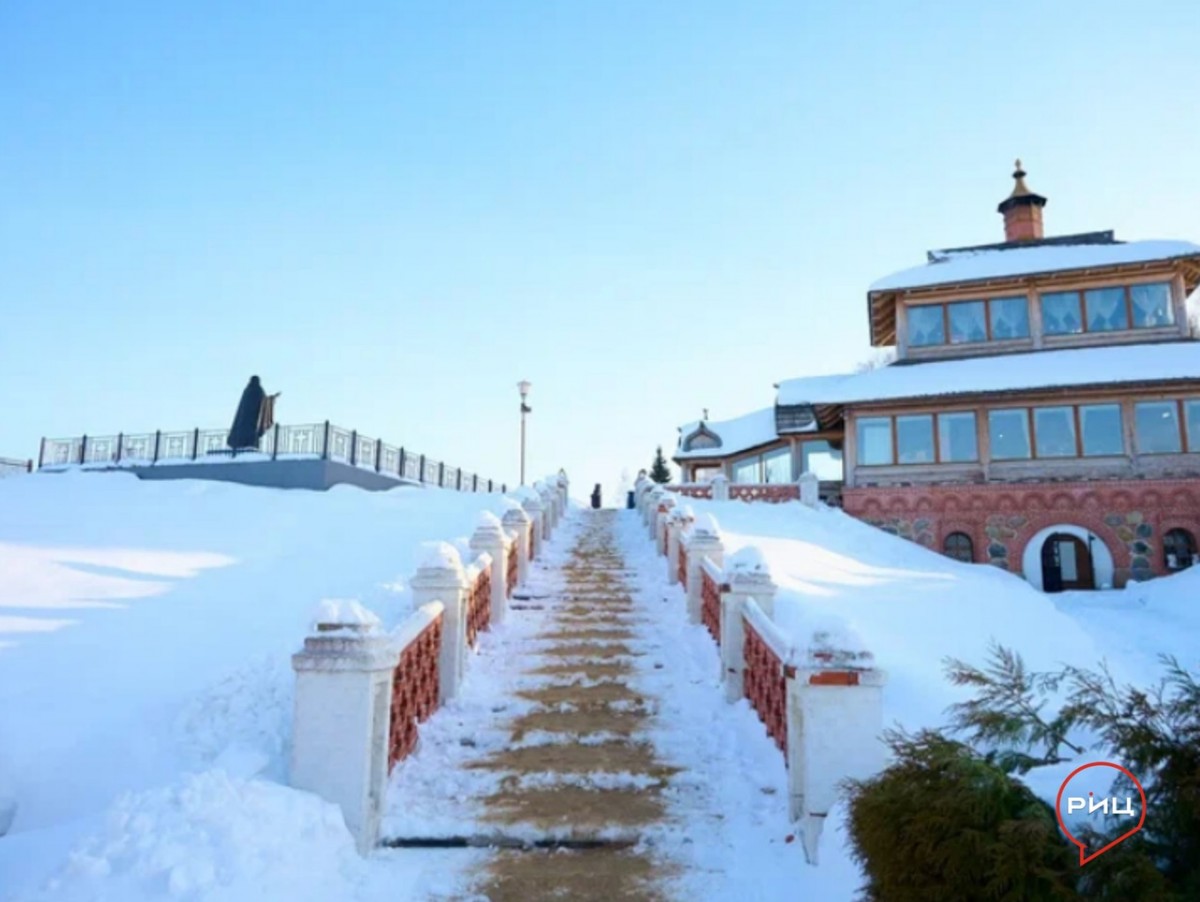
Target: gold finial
[1020, 189]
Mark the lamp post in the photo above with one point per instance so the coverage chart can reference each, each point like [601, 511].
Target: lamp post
[523, 387]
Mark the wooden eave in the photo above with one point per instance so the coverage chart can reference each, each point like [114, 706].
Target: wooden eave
[881, 305]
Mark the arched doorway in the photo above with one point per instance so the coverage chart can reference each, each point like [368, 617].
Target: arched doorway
[1098, 556]
[1067, 563]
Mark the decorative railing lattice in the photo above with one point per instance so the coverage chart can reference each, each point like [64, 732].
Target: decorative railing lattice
[479, 613]
[511, 570]
[683, 566]
[710, 603]
[766, 685]
[414, 690]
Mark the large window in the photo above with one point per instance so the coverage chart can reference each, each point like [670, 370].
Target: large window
[875, 441]
[914, 439]
[926, 325]
[1054, 431]
[1100, 428]
[1157, 427]
[777, 466]
[823, 459]
[748, 470]
[924, 438]
[967, 322]
[1008, 432]
[1112, 309]
[957, 441]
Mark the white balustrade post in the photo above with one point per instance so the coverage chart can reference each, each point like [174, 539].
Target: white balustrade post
[653, 496]
[564, 496]
[674, 536]
[704, 541]
[720, 487]
[489, 537]
[551, 507]
[665, 505]
[748, 576]
[810, 489]
[532, 503]
[341, 715]
[834, 717]
[440, 577]
[517, 521]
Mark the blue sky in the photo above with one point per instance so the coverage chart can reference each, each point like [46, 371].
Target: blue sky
[393, 212]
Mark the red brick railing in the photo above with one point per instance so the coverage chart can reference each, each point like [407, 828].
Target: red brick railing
[710, 600]
[683, 565]
[512, 568]
[765, 681]
[414, 688]
[692, 490]
[764, 492]
[479, 606]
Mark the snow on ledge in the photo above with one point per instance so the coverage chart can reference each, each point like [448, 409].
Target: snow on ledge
[1066, 367]
[343, 614]
[439, 556]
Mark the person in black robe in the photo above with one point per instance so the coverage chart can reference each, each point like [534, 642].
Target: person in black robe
[246, 431]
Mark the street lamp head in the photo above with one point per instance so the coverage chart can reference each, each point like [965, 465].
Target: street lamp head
[523, 387]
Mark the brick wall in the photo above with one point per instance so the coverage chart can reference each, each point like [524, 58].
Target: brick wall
[1129, 516]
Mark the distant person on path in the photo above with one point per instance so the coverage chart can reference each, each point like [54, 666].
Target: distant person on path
[255, 415]
[596, 497]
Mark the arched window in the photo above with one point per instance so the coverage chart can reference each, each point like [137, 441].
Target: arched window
[1179, 549]
[959, 546]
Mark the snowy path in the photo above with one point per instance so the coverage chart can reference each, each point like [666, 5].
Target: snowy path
[594, 715]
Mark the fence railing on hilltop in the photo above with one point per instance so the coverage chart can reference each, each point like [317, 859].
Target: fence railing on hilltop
[323, 441]
[11, 467]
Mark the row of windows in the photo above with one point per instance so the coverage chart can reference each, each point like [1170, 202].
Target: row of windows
[1179, 548]
[775, 466]
[1117, 308]
[1023, 433]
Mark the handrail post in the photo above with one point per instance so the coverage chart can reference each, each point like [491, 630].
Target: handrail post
[378, 453]
[400, 469]
[441, 474]
[275, 443]
[42, 453]
[120, 446]
[354, 447]
[325, 443]
[421, 471]
[82, 450]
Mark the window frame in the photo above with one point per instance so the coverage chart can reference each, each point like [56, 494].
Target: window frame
[1081, 299]
[1186, 443]
[970, 544]
[935, 423]
[990, 338]
[1120, 408]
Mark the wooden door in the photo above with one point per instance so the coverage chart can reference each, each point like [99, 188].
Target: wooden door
[1067, 564]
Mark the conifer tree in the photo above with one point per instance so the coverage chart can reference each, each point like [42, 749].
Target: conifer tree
[659, 471]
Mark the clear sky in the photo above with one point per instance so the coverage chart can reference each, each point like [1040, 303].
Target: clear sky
[392, 212]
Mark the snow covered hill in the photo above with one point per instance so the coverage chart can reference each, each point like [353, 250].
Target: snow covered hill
[146, 629]
[145, 685]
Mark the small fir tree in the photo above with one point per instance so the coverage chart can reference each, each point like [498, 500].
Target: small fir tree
[659, 471]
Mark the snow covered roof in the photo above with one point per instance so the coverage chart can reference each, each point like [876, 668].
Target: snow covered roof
[952, 267]
[1110, 365]
[738, 434]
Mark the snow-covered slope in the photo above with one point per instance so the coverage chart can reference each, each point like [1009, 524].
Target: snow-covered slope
[146, 629]
[912, 607]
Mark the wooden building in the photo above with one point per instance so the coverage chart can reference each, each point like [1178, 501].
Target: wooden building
[1042, 413]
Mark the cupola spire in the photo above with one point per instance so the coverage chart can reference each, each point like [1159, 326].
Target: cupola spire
[1022, 210]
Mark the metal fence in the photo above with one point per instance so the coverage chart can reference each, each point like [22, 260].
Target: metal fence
[323, 441]
[12, 467]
